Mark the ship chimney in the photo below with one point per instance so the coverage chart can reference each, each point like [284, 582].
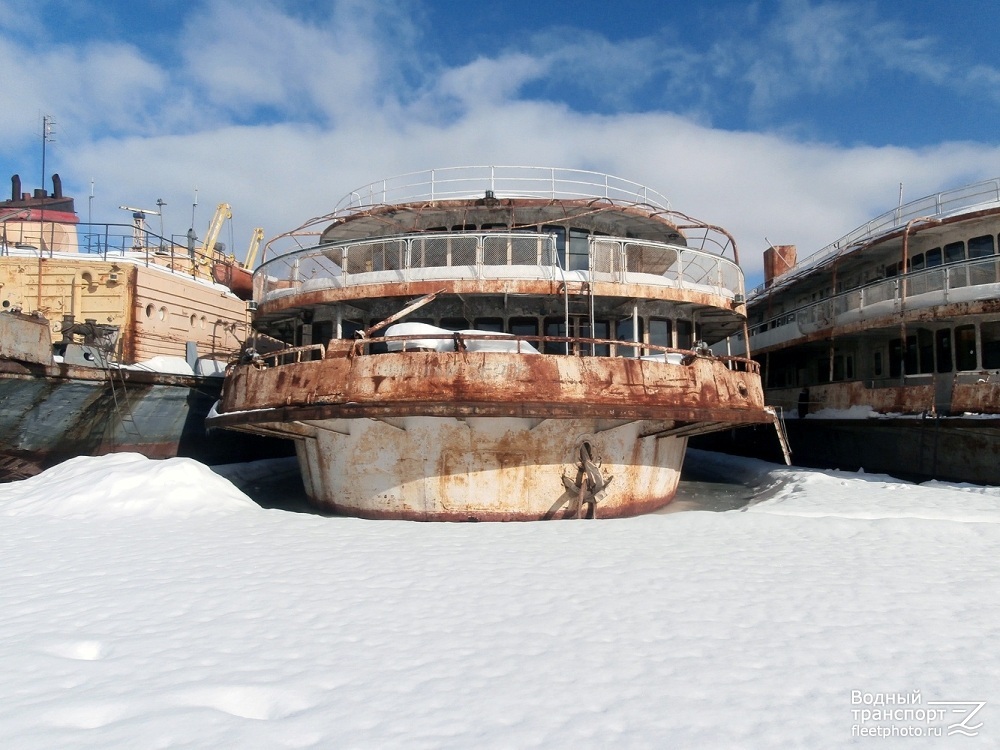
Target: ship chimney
[56, 186]
[15, 187]
[777, 260]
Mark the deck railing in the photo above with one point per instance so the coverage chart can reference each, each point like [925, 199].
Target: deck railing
[492, 255]
[109, 242]
[967, 280]
[456, 183]
[931, 206]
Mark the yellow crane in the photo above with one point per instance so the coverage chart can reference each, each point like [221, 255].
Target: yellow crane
[222, 212]
[258, 235]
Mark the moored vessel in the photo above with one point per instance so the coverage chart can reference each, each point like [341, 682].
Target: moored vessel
[111, 337]
[883, 349]
[494, 343]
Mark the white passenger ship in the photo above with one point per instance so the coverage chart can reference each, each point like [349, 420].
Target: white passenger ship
[883, 349]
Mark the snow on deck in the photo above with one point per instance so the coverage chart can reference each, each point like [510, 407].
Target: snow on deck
[151, 604]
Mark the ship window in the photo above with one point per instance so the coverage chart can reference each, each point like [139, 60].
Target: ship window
[489, 325]
[555, 327]
[194, 320]
[954, 252]
[934, 257]
[436, 229]
[890, 270]
[925, 341]
[579, 250]
[149, 311]
[877, 364]
[494, 227]
[943, 346]
[990, 333]
[348, 328]
[602, 330]
[917, 262]
[685, 334]
[980, 247]
[895, 358]
[911, 356]
[163, 313]
[660, 332]
[965, 347]
[461, 228]
[322, 332]
[202, 322]
[623, 332]
[560, 233]
[454, 324]
[523, 326]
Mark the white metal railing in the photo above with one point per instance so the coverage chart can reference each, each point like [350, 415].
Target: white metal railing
[454, 183]
[491, 255]
[931, 206]
[945, 283]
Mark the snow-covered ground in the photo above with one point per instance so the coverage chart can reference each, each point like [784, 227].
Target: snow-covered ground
[152, 605]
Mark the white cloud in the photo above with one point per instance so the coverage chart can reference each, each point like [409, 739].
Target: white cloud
[354, 97]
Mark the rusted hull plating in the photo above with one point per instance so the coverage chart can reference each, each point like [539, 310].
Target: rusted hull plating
[489, 436]
[488, 469]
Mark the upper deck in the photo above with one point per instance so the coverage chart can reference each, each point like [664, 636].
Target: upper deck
[501, 230]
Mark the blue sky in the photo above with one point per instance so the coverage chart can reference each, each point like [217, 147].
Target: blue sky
[792, 120]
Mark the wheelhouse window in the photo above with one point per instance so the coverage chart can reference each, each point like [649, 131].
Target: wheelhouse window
[934, 257]
[917, 262]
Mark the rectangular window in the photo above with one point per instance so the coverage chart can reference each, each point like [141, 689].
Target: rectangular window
[560, 233]
[660, 333]
[579, 250]
[623, 332]
[685, 334]
[965, 347]
[917, 262]
[911, 356]
[523, 327]
[489, 325]
[990, 333]
[981, 247]
[954, 252]
[925, 342]
[556, 327]
[934, 257]
[942, 339]
[877, 364]
[890, 270]
[895, 358]
[454, 324]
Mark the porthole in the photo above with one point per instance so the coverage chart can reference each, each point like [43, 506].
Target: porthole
[149, 311]
[194, 320]
[163, 313]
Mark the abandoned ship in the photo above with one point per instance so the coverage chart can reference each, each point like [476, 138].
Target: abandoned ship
[883, 349]
[111, 337]
[493, 344]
